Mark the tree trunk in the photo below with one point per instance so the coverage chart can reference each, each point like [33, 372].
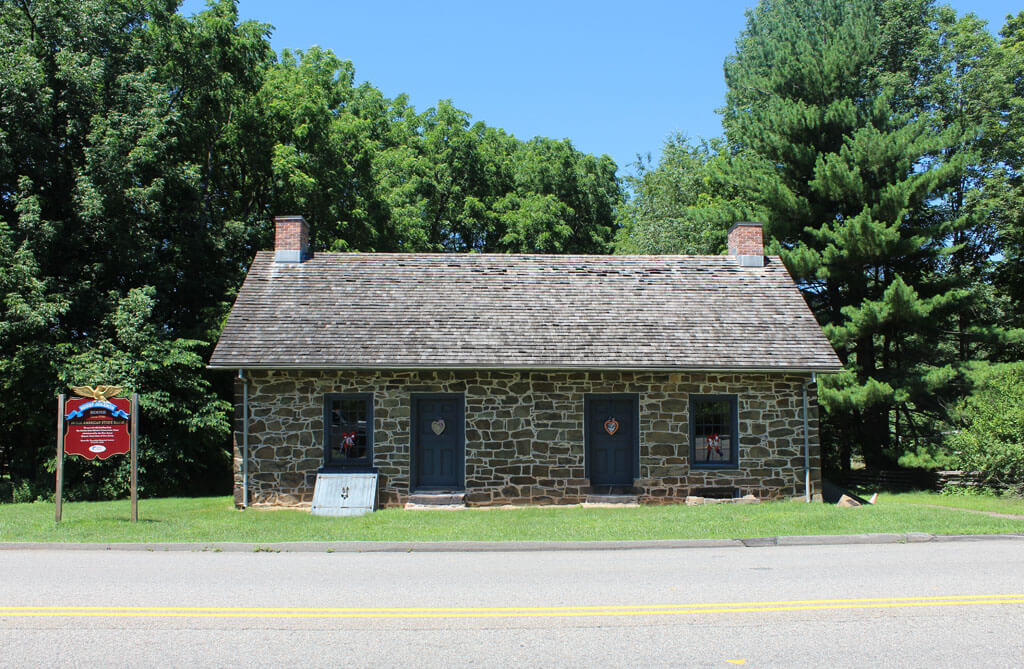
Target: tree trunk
[873, 428]
[874, 437]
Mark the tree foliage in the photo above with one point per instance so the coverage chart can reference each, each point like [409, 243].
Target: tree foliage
[1002, 198]
[991, 440]
[125, 141]
[684, 205]
[182, 424]
[375, 175]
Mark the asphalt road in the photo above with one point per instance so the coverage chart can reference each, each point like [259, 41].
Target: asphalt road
[932, 604]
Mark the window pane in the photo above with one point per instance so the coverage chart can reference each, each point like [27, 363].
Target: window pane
[712, 421]
[348, 435]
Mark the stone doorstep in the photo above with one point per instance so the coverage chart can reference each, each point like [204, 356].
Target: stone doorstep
[697, 501]
[612, 500]
[448, 500]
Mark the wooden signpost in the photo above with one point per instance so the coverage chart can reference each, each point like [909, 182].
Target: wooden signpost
[97, 424]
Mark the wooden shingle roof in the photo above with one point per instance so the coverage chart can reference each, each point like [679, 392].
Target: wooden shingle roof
[490, 311]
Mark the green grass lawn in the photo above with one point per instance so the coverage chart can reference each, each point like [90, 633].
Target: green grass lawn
[214, 519]
[1006, 504]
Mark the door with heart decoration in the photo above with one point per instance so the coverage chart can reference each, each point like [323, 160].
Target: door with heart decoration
[611, 439]
[438, 442]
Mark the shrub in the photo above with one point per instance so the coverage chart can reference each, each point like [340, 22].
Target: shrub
[992, 439]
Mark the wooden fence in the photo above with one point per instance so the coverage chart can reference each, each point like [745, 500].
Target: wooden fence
[902, 480]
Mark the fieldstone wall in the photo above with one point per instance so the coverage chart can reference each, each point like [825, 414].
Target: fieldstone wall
[524, 433]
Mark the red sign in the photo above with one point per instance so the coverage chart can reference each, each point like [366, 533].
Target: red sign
[97, 428]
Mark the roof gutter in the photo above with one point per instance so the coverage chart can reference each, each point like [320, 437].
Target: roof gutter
[528, 368]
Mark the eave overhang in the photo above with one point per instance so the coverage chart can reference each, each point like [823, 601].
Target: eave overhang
[526, 368]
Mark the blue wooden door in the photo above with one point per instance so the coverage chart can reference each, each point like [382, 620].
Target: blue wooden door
[437, 423]
[611, 437]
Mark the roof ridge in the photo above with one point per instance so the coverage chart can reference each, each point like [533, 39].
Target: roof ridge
[470, 254]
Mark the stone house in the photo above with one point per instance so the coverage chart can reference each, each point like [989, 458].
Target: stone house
[525, 379]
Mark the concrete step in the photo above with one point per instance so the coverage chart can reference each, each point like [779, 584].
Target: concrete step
[434, 499]
[612, 499]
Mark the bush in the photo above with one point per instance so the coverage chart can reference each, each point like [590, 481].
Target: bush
[16, 492]
[962, 490]
[992, 439]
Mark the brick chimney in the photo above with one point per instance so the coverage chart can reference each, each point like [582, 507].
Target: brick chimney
[291, 239]
[746, 242]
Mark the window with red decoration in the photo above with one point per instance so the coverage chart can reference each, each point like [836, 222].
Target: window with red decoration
[714, 442]
[348, 430]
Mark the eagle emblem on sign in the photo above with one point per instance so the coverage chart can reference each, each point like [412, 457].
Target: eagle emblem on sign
[99, 393]
[611, 426]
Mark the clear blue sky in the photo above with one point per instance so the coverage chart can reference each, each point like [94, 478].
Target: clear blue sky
[614, 77]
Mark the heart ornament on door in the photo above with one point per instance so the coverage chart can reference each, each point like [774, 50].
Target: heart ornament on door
[611, 426]
[437, 427]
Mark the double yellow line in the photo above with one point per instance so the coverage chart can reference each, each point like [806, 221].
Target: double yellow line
[506, 612]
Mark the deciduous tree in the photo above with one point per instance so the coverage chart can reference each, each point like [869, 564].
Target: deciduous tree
[685, 204]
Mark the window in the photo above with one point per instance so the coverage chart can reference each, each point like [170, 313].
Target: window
[713, 427]
[348, 430]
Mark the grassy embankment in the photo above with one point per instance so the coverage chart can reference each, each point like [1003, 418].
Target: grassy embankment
[214, 520]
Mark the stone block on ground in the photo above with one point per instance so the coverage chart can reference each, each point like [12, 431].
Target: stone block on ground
[847, 501]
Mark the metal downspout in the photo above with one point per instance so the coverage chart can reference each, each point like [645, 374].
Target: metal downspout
[245, 439]
[807, 442]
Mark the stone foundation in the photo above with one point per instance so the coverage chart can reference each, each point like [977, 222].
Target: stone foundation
[524, 433]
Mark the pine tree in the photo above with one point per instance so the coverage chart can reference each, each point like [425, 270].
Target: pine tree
[1002, 197]
[852, 181]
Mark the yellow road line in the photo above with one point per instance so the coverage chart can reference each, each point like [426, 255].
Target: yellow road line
[520, 608]
[509, 612]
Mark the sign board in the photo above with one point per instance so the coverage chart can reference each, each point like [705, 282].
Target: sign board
[340, 494]
[97, 428]
[98, 425]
